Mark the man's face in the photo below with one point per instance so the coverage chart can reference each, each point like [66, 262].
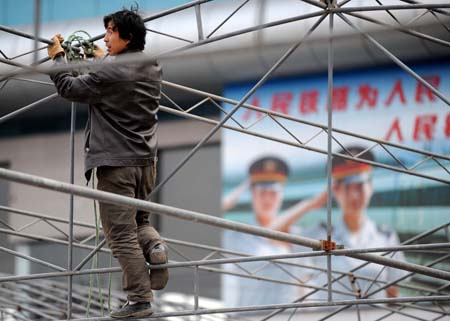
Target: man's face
[266, 202]
[114, 43]
[353, 198]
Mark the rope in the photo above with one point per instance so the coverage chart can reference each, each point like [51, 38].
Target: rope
[95, 265]
[79, 38]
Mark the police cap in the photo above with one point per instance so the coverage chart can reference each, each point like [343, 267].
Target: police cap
[269, 169]
[347, 171]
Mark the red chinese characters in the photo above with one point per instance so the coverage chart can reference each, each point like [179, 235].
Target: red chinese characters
[309, 100]
[366, 96]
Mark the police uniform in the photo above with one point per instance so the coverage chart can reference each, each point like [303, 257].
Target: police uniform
[368, 236]
[271, 173]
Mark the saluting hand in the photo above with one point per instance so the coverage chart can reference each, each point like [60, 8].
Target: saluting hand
[318, 201]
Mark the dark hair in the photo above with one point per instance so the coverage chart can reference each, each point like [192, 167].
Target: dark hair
[130, 26]
[353, 150]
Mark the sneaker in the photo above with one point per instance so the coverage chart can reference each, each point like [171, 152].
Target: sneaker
[137, 310]
[159, 277]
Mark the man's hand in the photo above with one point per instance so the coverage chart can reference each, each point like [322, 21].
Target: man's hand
[56, 49]
[97, 52]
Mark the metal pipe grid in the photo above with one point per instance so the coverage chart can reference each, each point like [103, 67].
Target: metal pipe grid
[326, 9]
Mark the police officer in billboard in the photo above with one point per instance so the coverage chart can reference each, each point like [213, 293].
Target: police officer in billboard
[267, 176]
[353, 190]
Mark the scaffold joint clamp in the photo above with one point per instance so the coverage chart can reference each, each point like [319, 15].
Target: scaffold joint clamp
[329, 246]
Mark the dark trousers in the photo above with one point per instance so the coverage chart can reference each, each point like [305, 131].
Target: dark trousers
[128, 231]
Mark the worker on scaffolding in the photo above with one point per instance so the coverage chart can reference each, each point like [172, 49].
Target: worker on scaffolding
[121, 144]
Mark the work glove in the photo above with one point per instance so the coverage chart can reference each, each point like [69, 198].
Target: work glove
[97, 52]
[56, 49]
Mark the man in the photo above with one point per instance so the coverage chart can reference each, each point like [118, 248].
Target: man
[121, 144]
[267, 176]
[352, 190]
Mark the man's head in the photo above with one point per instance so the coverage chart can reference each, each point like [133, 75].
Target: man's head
[267, 176]
[352, 186]
[125, 29]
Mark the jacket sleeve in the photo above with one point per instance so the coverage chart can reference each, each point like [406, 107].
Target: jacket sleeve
[84, 88]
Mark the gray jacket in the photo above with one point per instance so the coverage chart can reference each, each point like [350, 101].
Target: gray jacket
[123, 104]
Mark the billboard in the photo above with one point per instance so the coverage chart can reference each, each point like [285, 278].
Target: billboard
[383, 103]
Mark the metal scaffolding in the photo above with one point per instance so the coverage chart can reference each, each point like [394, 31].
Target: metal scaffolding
[42, 295]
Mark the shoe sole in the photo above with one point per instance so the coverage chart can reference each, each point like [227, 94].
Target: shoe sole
[137, 314]
[159, 279]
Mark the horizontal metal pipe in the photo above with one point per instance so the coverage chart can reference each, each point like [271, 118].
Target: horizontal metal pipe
[391, 7]
[45, 217]
[300, 255]
[24, 34]
[289, 306]
[204, 219]
[32, 259]
[48, 239]
[393, 248]
[402, 29]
